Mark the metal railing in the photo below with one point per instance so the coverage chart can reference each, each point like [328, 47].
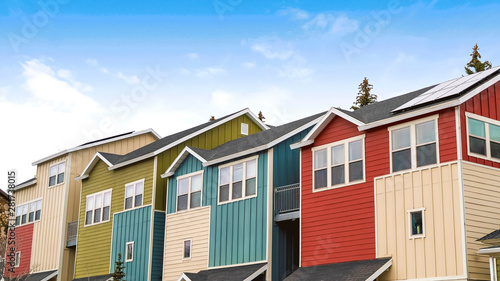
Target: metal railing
[72, 234]
[286, 199]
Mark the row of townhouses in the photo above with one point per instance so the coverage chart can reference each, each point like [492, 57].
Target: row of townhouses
[403, 189]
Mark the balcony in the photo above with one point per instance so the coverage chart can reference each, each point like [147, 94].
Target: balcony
[287, 202]
[72, 233]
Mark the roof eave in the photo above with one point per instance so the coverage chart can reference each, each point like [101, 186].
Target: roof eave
[178, 160]
[86, 172]
[27, 184]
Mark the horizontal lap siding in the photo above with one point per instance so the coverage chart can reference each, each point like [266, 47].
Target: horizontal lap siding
[487, 104]
[23, 243]
[194, 225]
[208, 140]
[482, 214]
[94, 241]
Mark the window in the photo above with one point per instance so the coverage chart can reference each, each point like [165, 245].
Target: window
[484, 137]
[56, 174]
[338, 164]
[189, 191]
[187, 250]
[416, 223]
[238, 181]
[18, 259]
[129, 252]
[134, 193]
[98, 207]
[414, 145]
[244, 129]
[28, 212]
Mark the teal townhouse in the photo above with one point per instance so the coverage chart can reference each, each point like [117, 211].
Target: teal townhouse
[225, 217]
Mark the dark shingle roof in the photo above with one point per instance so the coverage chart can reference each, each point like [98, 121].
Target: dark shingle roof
[345, 271]
[94, 278]
[254, 140]
[108, 138]
[236, 273]
[20, 186]
[35, 276]
[112, 158]
[494, 235]
[152, 147]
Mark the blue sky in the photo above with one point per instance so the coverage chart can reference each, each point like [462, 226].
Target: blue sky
[72, 71]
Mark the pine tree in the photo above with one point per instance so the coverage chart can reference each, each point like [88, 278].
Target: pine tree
[119, 275]
[364, 97]
[475, 65]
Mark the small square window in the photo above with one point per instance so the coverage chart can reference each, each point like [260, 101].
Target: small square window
[187, 250]
[129, 252]
[416, 223]
[244, 129]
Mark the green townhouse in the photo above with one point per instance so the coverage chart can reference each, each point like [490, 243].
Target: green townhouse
[231, 209]
[123, 200]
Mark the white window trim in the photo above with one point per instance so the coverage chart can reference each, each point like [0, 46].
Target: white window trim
[102, 207]
[133, 194]
[27, 203]
[244, 129]
[57, 184]
[410, 236]
[328, 148]
[486, 120]
[244, 184]
[126, 251]
[413, 141]
[17, 262]
[190, 175]
[190, 249]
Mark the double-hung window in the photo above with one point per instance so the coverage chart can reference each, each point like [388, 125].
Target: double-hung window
[134, 193]
[189, 191]
[56, 174]
[238, 180]
[98, 207]
[483, 137]
[340, 163]
[414, 145]
[28, 212]
[416, 223]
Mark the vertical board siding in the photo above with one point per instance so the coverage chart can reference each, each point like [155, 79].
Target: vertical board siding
[208, 140]
[158, 245]
[93, 255]
[338, 225]
[484, 104]
[238, 229]
[194, 225]
[482, 214]
[132, 226]
[440, 252]
[286, 170]
[23, 243]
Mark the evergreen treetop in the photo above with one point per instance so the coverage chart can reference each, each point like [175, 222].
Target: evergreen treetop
[119, 275]
[364, 96]
[475, 65]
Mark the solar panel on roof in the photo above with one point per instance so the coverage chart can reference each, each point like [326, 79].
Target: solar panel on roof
[448, 89]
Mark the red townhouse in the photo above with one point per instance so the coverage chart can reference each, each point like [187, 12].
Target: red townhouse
[402, 189]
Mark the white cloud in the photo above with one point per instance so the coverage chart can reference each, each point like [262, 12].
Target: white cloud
[210, 72]
[296, 72]
[129, 79]
[294, 13]
[192, 56]
[248, 65]
[329, 23]
[273, 49]
[184, 71]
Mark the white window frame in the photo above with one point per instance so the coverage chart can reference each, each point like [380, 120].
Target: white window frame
[189, 191]
[413, 142]
[126, 251]
[329, 165]
[244, 129]
[244, 179]
[190, 249]
[134, 183]
[409, 212]
[27, 205]
[57, 174]
[487, 122]
[102, 207]
[17, 261]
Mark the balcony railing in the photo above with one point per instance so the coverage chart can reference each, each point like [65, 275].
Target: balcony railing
[286, 202]
[72, 234]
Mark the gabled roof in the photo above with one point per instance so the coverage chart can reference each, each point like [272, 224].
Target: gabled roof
[365, 270]
[408, 105]
[246, 145]
[38, 276]
[493, 235]
[115, 161]
[96, 143]
[233, 273]
[27, 183]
